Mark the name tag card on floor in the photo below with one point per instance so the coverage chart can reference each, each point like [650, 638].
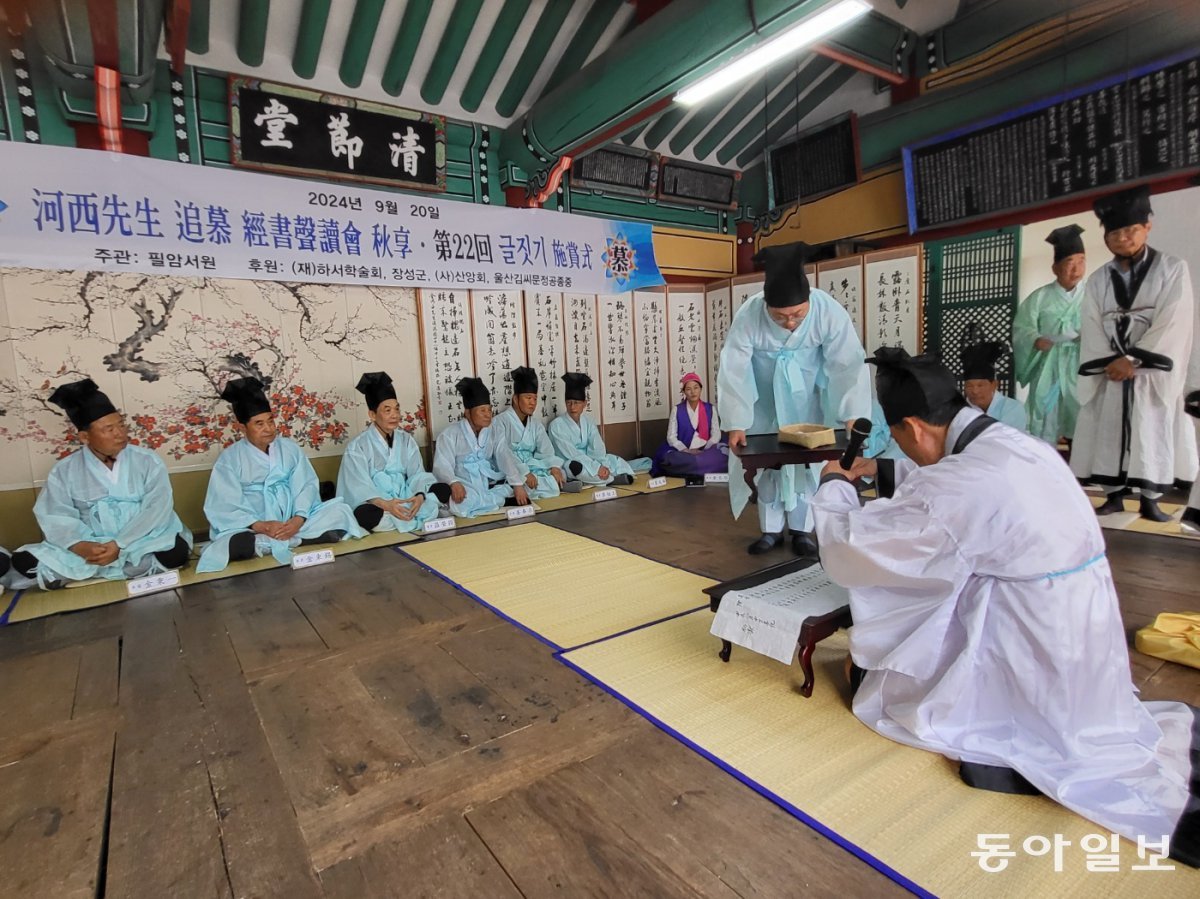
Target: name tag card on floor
[656, 482]
[606, 493]
[436, 525]
[767, 619]
[152, 583]
[718, 478]
[309, 559]
[519, 513]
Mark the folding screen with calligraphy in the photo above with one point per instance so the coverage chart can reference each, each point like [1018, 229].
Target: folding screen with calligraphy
[618, 402]
[581, 336]
[446, 351]
[650, 354]
[499, 328]
[544, 337]
[744, 287]
[687, 335]
[892, 302]
[717, 300]
[843, 280]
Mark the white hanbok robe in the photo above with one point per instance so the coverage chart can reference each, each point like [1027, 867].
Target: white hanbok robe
[373, 470]
[531, 446]
[481, 463]
[986, 620]
[84, 500]
[770, 376]
[1161, 445]
[582, 443]
[247, 485]
[1051, 312]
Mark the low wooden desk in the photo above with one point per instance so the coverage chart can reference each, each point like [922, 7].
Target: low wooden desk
[768, 451]
[812, 631]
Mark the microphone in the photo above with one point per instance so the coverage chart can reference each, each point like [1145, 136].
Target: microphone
[858, 435]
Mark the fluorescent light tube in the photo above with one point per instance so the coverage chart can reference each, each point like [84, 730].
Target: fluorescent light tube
[799, 35]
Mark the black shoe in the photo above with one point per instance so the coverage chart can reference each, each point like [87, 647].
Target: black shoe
[623, 480]
[1115, 503]
[441, 492]
[693, 480]
[804, 544]
[1148, 508]
[571, 486]
[1189, 523]
[765, 544]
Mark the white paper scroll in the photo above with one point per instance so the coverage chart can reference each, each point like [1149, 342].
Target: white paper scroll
[654, 394]
[544, 337]
[498, 317]
[581, 339]
[687, 336]
[843, 280]
[744, 287]
[892, 289]
[719, 315]
[767, 618]
[447, 353]
[616, 399]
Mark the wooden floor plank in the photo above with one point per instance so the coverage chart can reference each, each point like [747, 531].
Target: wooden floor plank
[264, 849]
[99, 671]
[268, 628]
[444, 859]
[162, 803]
[330, 736]
[52, 817]
[39, 689]
[445, 708]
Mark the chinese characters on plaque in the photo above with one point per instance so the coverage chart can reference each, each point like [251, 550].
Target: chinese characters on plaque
[687, 332]
[618, 382]
[650, 355]
[581, 336]
[842, 280]
[544, 335]
[497, 317]
[446, 337]
[717, 299]
[294, 130]
[892, 304]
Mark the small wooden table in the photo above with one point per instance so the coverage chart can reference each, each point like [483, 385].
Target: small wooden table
[812, 631]
[768, 451]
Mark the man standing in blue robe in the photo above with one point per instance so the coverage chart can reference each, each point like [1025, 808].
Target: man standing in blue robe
[107, 509]
[382, 477]
[263, 496]
[791, 357]
[526, 436]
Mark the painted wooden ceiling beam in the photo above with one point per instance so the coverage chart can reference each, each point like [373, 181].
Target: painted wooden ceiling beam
[404, 47]
[737, 113]
[309, 36]
[197, 38]
[787, 122]
[594, 24]
[449, 50]
[252, 31]
[359, 39]
[545, 32]
[783, 99]
[493, 53]
[664, 125]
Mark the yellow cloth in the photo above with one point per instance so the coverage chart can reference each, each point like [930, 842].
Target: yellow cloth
[1174, 636]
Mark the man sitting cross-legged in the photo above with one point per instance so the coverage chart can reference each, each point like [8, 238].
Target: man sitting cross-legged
[263, 496]
[526, 436]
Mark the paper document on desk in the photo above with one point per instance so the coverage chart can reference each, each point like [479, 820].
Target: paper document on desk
[767, 618]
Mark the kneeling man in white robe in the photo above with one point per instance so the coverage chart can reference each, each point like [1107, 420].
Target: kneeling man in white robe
[107, 509]
[986, 624]
[263, 496]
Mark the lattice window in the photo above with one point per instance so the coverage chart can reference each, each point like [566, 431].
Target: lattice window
[972, 279]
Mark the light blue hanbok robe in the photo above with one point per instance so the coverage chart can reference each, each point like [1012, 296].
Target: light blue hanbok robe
[530, 445]
[582, 443]
[770, 376]
[248, 485]
[482, 464]
[1006, 409]
[1054, 313]
[373, 470]
[84, 500]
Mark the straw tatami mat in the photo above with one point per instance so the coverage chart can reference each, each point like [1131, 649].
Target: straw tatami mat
[1130, 520]
[564, 588]
[899, 808]
[641, 484]
[550, 504]
[37, 603]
